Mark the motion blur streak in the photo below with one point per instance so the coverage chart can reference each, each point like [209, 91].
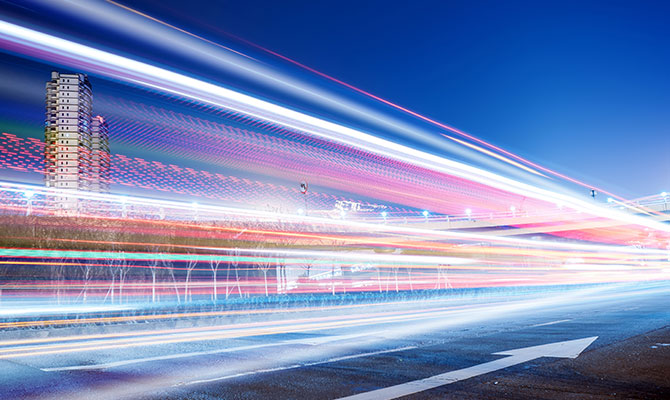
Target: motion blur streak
[359, 91]
[234, 236]
[114, 205]
[437, 313]
[408, 111]
[492, 154]
[178, 29]
[281, 254]
[228, 332]
[29, 41]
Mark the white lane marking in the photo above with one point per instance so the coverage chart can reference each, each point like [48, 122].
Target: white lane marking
[325, 339]
[567, 349]
[551, 323]
[158, 358]
[307, 341]
[293, 366]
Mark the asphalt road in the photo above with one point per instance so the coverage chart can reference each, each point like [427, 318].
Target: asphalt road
[344, 352]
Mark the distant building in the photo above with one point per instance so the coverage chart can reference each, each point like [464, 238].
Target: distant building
[75, 157]
[100, 156]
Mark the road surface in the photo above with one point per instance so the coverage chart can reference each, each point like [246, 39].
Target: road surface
[364, 351]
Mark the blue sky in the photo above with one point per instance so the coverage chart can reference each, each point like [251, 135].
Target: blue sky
[581, 87]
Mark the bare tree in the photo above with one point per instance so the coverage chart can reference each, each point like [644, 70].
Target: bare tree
[234, 263]
[112, 271]
[409, 275]
[85, 269]
[3, 274]
[264, 266]
[214, 266]
[122, 268]
[58, 275]
[282, 280]
[169, 266]
[188, 295]
[395, 272]
[442, 275]
[153, 269]
[86, 274]
[379, 278]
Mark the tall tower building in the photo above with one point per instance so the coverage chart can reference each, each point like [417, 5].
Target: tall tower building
[100, 156]
[67, 134]
[67, 131]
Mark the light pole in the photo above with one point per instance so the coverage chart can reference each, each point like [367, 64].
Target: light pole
[124, 213]
[29, 201]
[425, 215]
[468, 212]
[303, 189]
[29, 209]
[384, 214]
[195, 211]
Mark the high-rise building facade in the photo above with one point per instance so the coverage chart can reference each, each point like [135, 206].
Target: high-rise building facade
[69, 158]
[67, 131]
[100, 156]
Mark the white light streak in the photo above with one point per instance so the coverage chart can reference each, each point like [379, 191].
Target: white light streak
[161, 79]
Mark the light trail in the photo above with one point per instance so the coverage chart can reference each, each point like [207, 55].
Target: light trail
[274, 78]
[271, 254]
[396, 106]
[298, 219]
[634, 208]
[486, 262]
[432, 317]
[224, 333]
[448, 231]
[25, 40]
[180, 30]
[200, 314]
[492, 154]
[434, 246]
[172, 251]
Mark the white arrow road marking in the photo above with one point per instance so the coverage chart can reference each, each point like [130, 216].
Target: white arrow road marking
[567, 349]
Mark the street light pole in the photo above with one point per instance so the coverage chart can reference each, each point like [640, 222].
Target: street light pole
[303, 189]
[29, 201]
